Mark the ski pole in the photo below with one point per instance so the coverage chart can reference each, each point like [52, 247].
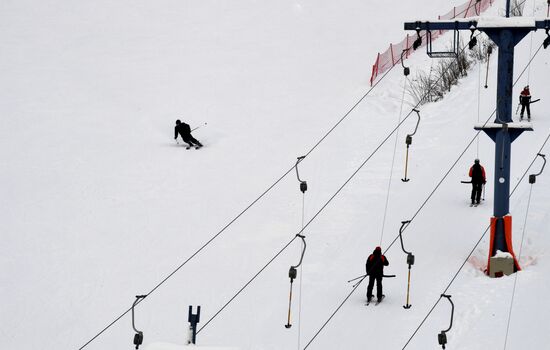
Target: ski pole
[517, 109]
[199, 126]
[483, 191]
[356, 278]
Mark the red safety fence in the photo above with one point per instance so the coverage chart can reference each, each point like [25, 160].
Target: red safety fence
[392, 55]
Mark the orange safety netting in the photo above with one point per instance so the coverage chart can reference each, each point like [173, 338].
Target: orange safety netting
[392, 55]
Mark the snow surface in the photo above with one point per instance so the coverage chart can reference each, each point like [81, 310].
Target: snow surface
[166, 346]
[501, 254]
[98, 204]
[503, 22]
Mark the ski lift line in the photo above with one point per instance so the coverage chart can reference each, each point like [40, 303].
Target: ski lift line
[478, 242]
[192, 256]
[301, 284]
[247, 283]
[393, 162]
[427, 199]
[531, 182]
[393, 242]
[309, 222]
[530, 47]
[349, 112]
[243, 211]
[516, 274]
[316, 214]
[478, 99]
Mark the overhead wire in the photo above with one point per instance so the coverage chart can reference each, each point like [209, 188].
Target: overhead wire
[393, 161]
[478, 99]
[531, 182]
[301, 274]
[530, 46]
[420, 208]
[516, 274]
[309, 222]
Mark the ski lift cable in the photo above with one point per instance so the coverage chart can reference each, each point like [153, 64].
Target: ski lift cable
[314, 216]
[478, 242]
[124, 313]
[301, 280]
[530, 46]
[532, 180]
[408, 142]
[292, 273]
[516, 274]
[397, 237]
[309, 222]
[393, 161]
[478, 99]
[421, 207]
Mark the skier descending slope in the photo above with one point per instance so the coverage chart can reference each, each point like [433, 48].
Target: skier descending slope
[375, 270]
[477, 173]
[185, 131]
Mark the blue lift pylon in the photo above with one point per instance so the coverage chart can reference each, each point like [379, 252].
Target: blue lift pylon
[506, 33]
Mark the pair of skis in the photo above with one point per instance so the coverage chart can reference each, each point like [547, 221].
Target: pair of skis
[376, 302]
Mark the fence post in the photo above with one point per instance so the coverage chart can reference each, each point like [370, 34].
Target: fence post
[407, 47]
[391, 53]
[468, 8]
[454, 12]
[374, 73]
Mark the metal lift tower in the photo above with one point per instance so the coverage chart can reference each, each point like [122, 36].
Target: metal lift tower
[506, 33]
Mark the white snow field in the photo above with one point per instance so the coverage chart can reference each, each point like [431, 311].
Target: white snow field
[99, 204]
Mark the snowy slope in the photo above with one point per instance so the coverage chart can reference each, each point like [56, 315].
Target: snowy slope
[98, 203]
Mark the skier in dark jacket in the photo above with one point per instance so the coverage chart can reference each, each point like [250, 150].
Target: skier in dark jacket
[375, 271]
[185, 132]
[525, 101]
[477, 173]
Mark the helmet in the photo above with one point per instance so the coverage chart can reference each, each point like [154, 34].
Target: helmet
[476, 161]
[526, 87]
[178, 122]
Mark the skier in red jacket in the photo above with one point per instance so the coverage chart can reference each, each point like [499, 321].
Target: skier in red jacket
[525, 101]
[477, 173]
[375, 270]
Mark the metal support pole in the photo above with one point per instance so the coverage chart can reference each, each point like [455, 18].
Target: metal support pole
[193, 319]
